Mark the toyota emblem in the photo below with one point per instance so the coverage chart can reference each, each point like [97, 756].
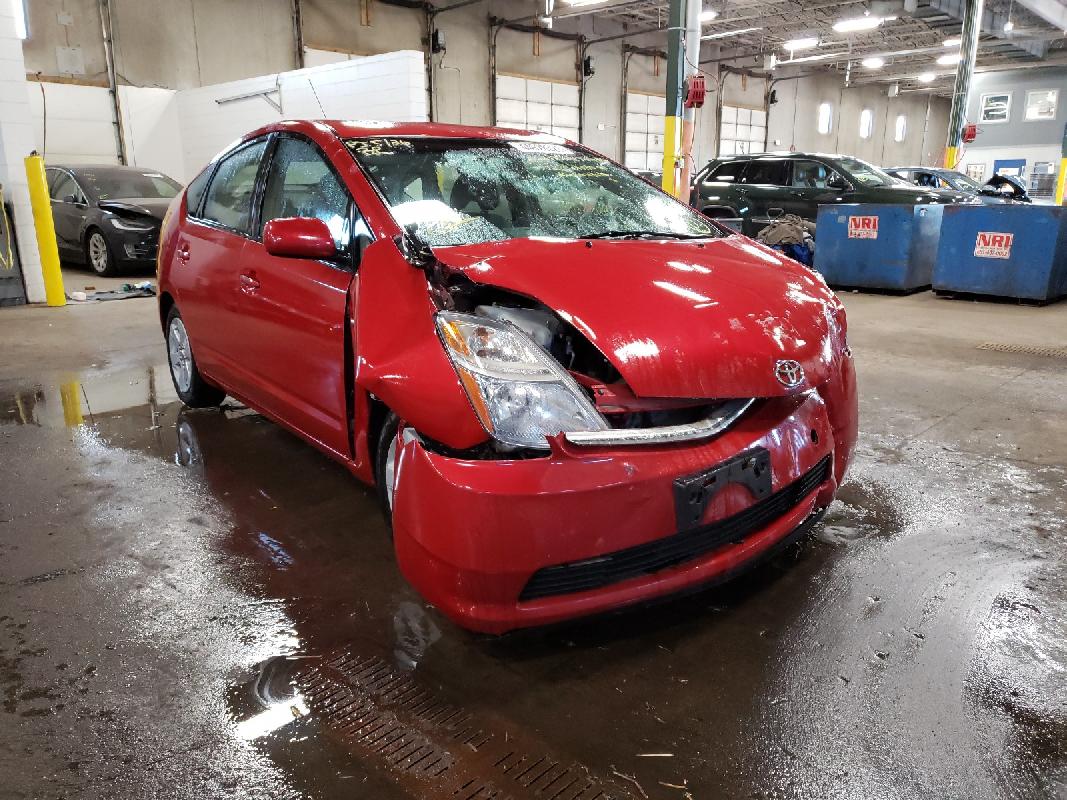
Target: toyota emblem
[789, 373]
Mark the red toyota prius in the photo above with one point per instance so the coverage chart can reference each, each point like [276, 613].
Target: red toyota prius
[572, 392]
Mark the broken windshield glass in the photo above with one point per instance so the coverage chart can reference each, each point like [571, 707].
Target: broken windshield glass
[470, 191]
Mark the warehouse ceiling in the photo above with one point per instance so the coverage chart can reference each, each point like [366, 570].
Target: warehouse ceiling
[1015, 34]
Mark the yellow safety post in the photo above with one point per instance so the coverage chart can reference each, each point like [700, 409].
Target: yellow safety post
[70, 397]
[46, 231]
[951, 157]
[670, 154]
[1061, 179]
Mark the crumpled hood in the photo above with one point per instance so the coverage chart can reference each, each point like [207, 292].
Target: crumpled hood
[149, 206]
[676, 319]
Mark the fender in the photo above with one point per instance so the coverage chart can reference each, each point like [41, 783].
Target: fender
[399, 359]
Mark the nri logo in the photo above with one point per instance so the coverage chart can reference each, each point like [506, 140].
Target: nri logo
[993, 245]
[863, 227]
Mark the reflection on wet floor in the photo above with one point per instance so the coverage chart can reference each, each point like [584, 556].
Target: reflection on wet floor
[211, 608]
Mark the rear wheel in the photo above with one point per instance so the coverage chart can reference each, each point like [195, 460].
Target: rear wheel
[386, 454]
[98, 254]
[190, 385]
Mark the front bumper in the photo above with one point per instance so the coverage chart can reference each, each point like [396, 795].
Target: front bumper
[471, 534]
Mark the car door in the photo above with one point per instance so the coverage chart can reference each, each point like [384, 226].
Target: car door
[812, 184]
[763, 191]
[69, 206]
[717, 191]
[292, 311]
[207, 267]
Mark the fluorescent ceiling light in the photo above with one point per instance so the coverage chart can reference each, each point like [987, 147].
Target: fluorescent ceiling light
[955, 41]
[859, 24]
[708, 15]
[724, 34]
[949, 59]
[927, 77]
[805, 43]
[18, 11]
[874, 62]
[1008, 26]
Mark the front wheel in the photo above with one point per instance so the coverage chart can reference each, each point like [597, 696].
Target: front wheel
[190, 385]
[98, 255]
[385, 456]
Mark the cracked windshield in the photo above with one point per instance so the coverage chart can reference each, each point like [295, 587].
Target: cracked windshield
[458, 192]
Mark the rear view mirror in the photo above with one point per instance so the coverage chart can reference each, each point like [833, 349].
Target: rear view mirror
[298, 237]
[837, 182]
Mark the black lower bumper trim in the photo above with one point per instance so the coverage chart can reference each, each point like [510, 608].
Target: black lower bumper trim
[670, 551]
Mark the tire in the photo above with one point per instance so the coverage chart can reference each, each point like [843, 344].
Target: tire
[190, 385]
[385, 454]
[98, 255]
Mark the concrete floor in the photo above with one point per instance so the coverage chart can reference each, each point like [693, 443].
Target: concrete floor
[197, 605]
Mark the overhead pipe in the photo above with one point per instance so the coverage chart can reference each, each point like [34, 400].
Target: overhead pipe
[691, 57]
[107, 30]
[964, 71]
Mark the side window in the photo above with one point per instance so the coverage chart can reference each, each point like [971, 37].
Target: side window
[195, 193]
[301, 184]
[927, 179]
[65, 188]
[811, 175]
[229, 197]
[770, 172]
[730, 172]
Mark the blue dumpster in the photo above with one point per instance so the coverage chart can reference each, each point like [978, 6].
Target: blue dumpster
[877, 246]
[1014, 251]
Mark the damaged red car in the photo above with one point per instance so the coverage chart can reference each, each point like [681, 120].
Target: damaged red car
[572, 392]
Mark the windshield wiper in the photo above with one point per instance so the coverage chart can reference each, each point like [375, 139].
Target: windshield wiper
[646, 235]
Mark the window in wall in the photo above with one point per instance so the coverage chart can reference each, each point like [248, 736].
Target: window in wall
[18, 10]
[229, 197]
[742, 130]
[1041, 104]
[826, 118]
[994, 107]
[866, 123]
[536, 105]
[645, 114]
[900, 129]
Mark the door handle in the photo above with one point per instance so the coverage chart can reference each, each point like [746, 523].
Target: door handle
[249, 284]
[183, 252]
[796, 194]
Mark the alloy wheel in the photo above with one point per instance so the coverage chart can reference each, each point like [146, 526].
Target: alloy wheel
[179, 355]
[98, 256]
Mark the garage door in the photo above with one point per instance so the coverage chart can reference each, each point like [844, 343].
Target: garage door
[742, 130]
[538, 105]
[644, 130]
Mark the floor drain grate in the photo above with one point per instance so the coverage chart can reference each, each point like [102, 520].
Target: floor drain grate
[387, 716]
[1030, 350]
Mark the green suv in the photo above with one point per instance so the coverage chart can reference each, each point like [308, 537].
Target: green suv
[758, 188]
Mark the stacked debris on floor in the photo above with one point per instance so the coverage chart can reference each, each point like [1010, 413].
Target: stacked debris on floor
[793, 236]
[124, 292]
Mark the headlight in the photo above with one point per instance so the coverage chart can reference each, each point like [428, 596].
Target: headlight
[132, 225]
[520, 393]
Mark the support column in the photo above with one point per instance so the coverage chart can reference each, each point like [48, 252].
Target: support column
[691, 59]
[972, 25]
[672, 125]
[17, 142]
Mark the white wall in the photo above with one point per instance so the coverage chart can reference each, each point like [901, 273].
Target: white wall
[16, 142]
[152, 129]
[81, 128]
[389, 87]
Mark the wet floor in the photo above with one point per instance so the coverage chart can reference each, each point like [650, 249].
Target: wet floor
[196, 604]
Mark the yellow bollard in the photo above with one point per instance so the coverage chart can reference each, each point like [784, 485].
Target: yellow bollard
[46, 231]
[1061, 179]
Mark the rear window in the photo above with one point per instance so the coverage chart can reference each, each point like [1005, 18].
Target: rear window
[730, 172]
[773, 173]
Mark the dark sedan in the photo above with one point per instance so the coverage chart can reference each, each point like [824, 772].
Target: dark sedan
[108, 217]
[999, 189]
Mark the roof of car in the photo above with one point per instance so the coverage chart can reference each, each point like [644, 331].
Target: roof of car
[105, 170]
[782, 154]
[361, 129]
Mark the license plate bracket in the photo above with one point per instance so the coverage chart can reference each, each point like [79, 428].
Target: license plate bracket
[692, 493]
